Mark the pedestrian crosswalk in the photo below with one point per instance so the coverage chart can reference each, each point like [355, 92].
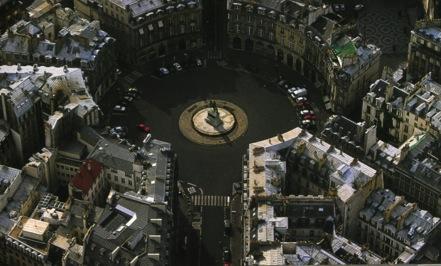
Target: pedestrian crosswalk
[210, 200]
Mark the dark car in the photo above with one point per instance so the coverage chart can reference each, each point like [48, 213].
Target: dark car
[226, 255]
[227, 227]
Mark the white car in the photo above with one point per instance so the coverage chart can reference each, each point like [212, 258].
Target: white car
[300, 92]
[128, 99]
[133, 90]
[306, 112]
[163, 71]
[301, 99]
[119, 108]
[358, 7]
[177, 66]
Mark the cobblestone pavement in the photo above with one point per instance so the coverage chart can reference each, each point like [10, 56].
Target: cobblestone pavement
[386, 24]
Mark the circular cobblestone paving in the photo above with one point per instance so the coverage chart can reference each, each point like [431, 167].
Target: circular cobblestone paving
[193, 126]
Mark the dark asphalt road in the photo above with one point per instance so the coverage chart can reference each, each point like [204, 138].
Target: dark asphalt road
[214, 168]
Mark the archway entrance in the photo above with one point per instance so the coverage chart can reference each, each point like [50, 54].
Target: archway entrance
[249, 45]
[289, 60]
[237, 43]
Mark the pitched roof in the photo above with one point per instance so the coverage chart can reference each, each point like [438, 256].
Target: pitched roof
[89, 172]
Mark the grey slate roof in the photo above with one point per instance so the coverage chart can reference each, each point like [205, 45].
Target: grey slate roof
[123, 222]
[113, 155]
[7, 174]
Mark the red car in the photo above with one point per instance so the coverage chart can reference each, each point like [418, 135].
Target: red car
[304, 105]
[310, 117]
[144, 128]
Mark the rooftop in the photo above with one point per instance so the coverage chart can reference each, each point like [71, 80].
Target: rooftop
[404, 221]
[266, 167]
[89, 172]
[353, 55]
[77, 39]
[7, 175]
[12, 209]
[130, 227]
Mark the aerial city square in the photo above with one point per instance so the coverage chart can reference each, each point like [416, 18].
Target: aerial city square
[220, 132]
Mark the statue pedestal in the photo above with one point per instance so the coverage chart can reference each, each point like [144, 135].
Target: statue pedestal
[213, 118]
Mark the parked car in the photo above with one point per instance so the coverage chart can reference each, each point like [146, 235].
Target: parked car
[177, 66]
[119, 109]
[198, 62]
[303, 105]
[227, 227]
[119, 132]
[132, 90]
[131, 95]
[300, 92]
[301, 99]
[144, 128]
[284, 84]
[309, 124]
[226, 255]
[309, 117]
[163, 71]
[358, 7]
[128, 99]
[306, 112]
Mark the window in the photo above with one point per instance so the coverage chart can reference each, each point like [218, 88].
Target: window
[123, 180]
[311, 233]
[115, 178]
[130, 182]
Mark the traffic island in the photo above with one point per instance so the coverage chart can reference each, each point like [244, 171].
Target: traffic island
[213, 122]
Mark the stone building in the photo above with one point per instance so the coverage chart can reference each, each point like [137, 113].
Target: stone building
[317, 168]
[279, 225]
[297, 162]
[424, 53]
[310, 39]
[57, 36]
[412, 170]
[7, 154]
[400, 111]
[89, 183]
[432, 8]
[148, 29]
[131, 231]
[33, 101]
[355, 66]
[354, 138]
[396, 229]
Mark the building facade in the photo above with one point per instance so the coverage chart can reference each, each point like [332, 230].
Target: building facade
[412, 169]
[35, 99]
[396, 229]
[130, 231]
[308, 38]
[424, 52]
[403, 110]
[89, 183]
[150, 29]
[57, 36]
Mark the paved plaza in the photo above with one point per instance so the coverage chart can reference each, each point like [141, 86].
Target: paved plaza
[214, 168]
